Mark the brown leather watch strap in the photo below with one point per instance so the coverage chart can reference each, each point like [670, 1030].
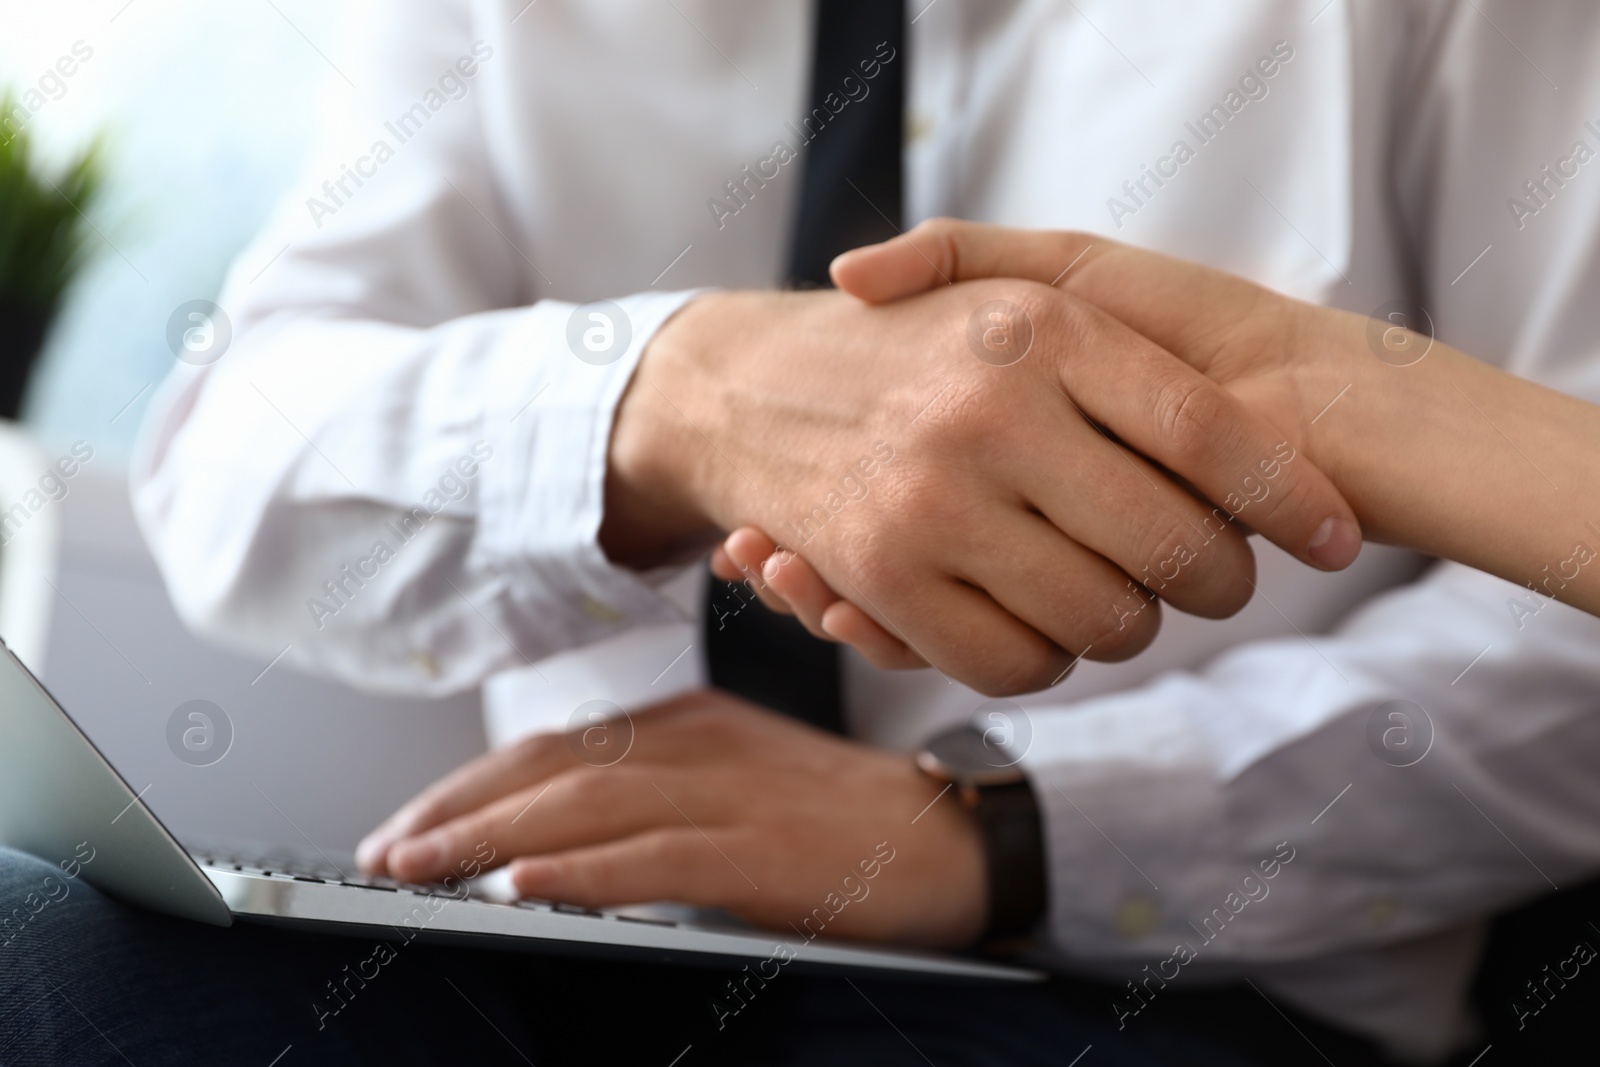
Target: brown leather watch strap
[1013, 845]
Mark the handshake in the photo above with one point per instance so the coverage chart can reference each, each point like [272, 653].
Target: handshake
[997, 451]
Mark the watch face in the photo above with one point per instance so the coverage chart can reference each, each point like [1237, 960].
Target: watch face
[971, 755]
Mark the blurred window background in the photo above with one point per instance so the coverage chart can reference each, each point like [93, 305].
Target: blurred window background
[201, 111]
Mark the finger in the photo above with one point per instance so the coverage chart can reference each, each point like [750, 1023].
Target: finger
[946, 251]
[1073, 596]
[750, 549]
[1185, 307]
[467, 788]
[989, 648]
[723, 565]
[670, 864]
[802, 589]
[1119, 507]
[661, 734]
[846, 623]
[1182, 307]
[1189, 424]
[815, 603]
[581, 807]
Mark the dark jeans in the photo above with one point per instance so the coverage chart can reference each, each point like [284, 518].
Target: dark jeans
[87, 980]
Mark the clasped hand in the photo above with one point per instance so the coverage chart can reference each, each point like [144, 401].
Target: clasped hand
[998, 518]
[1215, 380]
[1020, 513]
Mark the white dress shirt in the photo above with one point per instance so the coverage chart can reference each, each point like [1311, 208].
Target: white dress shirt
[405, 320]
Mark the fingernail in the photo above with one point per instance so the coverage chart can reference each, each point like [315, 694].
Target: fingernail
[530, 875]
[417, 854]
[1335, 545]
[371, 850]
[769, 569]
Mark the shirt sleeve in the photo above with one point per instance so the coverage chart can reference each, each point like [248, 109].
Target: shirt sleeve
[1425, 764]
[393, 472]
[1433, 759]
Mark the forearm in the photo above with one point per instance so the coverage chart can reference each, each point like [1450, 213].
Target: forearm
[1443, 454]
[1260, 746]
[464, 526]
[1459, 459]
[658, 460]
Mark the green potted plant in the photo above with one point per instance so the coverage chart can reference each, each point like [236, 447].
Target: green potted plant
[44, 235]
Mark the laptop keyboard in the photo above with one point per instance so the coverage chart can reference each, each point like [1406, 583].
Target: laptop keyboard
[314, 869]
[321, 869]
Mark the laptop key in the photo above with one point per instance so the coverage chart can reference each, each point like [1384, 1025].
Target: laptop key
[573, 909]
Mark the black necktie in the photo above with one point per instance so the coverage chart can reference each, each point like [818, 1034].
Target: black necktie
[851, 195]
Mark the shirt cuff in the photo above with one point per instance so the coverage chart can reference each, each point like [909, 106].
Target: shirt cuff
[556, 389]
[1144, 847]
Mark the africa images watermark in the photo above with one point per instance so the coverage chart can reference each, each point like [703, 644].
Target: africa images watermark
[742, 190]
[1399, 732]
[453, 485]
[852, 489]
[853, 486]
[50, 86]
[199, 733]
[1553, 579]
[1553, 982]
[734, 596]
[1540, 191]
[53, 488]
[453, 84]
[12, 925]
[1252, 86]
[1253, 488]
[1252, 890]
[854, 887]
[350, 981]
[599, 733]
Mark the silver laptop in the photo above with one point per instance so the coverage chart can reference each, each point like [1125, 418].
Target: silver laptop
[61, 801]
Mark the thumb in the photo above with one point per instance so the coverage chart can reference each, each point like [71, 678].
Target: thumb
[1183, 307]
[946, 251]
[1189, 310]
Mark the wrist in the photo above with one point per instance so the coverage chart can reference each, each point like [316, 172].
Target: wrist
[1336, 375]
[1402, 444]
[999, 799]
[1367, 392]
[655, 476]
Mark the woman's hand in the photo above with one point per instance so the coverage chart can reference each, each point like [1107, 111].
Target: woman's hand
[1285, 359]
[1433, 449]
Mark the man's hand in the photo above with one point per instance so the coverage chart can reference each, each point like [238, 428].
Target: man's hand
[1277, 355]
[1282, 359]
[717, 803]
[986, 515]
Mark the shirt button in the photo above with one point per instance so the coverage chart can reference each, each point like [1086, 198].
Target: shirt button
[601, 611]
[1137, 917]
[425, 663]
[919, 125]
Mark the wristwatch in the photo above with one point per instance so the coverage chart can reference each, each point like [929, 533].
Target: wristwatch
[996, 791]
